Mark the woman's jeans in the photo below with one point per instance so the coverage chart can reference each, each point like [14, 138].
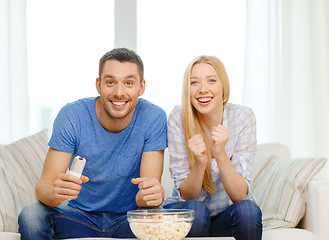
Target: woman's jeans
[242, 220]
[38, 221]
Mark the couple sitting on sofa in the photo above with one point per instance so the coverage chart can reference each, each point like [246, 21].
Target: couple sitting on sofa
[211, 143]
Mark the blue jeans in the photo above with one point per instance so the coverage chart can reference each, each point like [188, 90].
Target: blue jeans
[38, 221]
[242, 220]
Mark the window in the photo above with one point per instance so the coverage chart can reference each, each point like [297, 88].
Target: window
[65, 41]
[67, 38]
[171, 33]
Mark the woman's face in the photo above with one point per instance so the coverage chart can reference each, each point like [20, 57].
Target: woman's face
[206, 90]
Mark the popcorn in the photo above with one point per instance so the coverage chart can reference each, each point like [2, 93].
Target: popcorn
[160, 227]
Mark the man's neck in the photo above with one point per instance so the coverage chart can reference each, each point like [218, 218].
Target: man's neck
[111, 124]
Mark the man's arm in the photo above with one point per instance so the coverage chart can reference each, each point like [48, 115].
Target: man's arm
[55, 186]
[151, 193]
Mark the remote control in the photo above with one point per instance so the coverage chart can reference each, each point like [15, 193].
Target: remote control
[77, 166]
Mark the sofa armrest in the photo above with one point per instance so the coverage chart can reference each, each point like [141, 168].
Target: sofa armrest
[166, 180]
[317, 209]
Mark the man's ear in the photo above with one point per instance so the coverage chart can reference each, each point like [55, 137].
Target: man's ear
[142, 88]
[98, 85]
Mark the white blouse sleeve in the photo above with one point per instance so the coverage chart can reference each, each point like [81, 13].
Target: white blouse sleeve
[178, 163]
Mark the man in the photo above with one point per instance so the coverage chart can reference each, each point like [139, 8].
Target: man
[122, 137]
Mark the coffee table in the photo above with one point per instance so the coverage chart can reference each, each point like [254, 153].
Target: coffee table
[204, 238]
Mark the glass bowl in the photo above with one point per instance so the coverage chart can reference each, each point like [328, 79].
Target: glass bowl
[160, 224]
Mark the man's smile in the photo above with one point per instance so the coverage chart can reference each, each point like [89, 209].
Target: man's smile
[119, 104]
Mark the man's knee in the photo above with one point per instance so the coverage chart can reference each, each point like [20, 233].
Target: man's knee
[34, 215]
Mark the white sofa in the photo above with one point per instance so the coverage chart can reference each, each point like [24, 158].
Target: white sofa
[312, 227]
[314, 224]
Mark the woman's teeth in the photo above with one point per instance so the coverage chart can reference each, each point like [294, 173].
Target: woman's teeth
[204, 99]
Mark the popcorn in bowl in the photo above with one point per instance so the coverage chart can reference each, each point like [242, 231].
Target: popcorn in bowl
[160, 224]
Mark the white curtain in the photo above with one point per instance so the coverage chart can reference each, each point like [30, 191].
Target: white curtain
[287, 73]
[14, 120]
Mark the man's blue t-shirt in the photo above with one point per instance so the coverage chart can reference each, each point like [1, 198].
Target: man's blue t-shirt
[113, 159]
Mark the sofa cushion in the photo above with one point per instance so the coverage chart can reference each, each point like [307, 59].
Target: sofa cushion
[264, 153]
[9, 236]
[288, 234]
[280, 189]
[20, 168]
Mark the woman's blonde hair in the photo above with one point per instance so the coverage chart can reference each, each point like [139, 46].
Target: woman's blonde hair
[190, 120]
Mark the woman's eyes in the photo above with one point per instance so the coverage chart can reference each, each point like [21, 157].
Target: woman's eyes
[210, 81]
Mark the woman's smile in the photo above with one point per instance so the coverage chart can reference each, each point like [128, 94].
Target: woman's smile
[204, 101]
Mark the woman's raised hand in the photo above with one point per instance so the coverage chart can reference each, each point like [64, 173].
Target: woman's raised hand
[198, 147]
[220, 135]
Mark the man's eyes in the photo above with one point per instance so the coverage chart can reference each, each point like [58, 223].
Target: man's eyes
[129, 83]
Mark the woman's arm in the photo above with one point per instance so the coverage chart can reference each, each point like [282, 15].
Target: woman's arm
[235, 172]
[187, 181]
[191, 186]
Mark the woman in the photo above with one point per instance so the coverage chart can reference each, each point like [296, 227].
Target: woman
[211, 144]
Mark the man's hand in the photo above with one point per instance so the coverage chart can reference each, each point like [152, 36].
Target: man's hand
[151, 191]
[67, 187]
[198, 146]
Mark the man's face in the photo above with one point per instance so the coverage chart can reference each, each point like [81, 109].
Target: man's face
[119, 87]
